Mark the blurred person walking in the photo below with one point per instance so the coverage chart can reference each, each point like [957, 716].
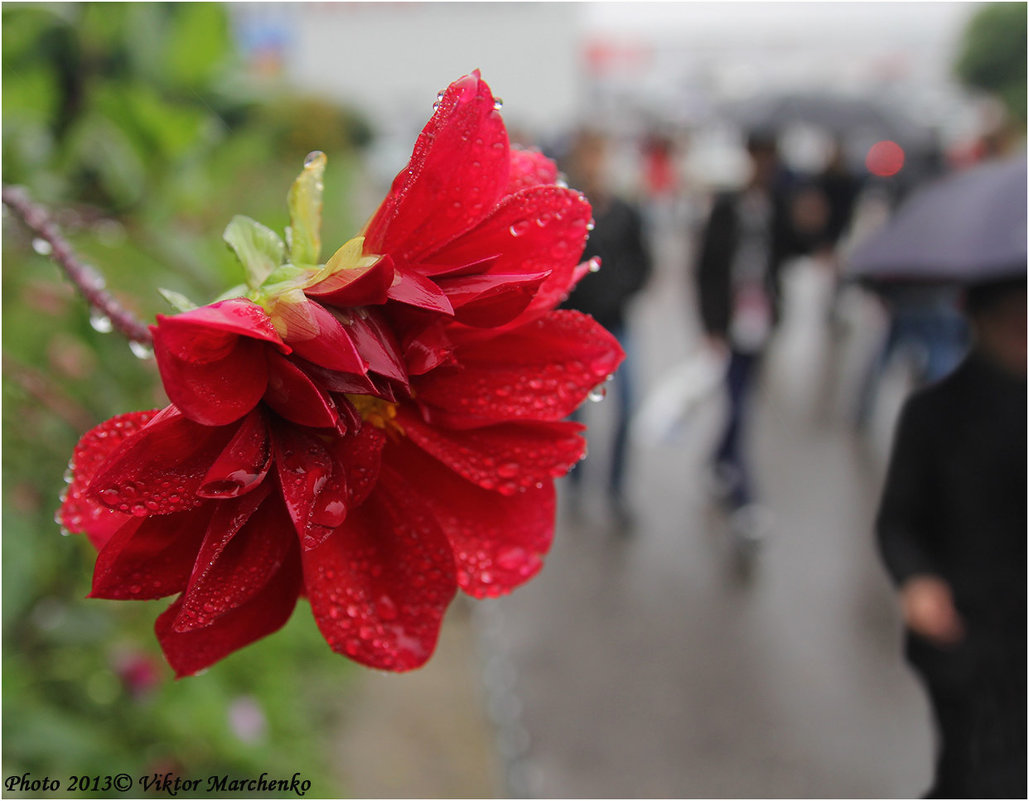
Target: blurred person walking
[952, 532]
[620, 242]
[742, 247]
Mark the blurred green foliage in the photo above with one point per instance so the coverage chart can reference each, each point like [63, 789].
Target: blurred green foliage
[993, 55]
[138, 125]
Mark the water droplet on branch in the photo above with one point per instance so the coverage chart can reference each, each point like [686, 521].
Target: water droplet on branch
[42, 247]
[141, 351]
[100, 322]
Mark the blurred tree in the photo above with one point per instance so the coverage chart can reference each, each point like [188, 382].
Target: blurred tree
[993, 56]
[136, 125]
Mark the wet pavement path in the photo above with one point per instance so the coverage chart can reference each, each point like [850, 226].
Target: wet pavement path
[659, 664]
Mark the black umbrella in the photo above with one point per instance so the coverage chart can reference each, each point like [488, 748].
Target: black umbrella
[968, 227]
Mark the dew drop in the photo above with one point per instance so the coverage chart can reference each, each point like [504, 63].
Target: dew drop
[386, 608]
[313, 157]
[594, 266]
[141, 351]
[100, 322]
[498, 104]
[508, 470]
[598, 393]
[42, 247]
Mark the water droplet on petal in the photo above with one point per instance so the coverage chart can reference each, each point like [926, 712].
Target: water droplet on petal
[498, 104]
[386, 608]
[508, 470]
[598, 393]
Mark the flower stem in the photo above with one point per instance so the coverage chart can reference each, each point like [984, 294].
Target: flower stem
[86, 279]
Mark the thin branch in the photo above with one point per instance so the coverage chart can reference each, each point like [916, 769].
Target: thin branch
[88, 281]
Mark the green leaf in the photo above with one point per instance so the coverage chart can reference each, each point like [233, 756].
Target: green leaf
[305, 211]
[238, 291]
[258, 248]
[177, 300]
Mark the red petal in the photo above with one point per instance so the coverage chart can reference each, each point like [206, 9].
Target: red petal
[508, 458]
[427, 349]
[295, 396]
[353, 472]
[423, 293]
[194, 335]
[529, 168]
[217, 392]
[189, 652]
[226, 521]
[376, 343]
[491, 300]
[212, 359]
[555, 291]
[243, 464]
[457, 172]
[236, 570]
[331, 381]
[498, 541]
[540, 229]
[330, 347]
[150, 557]
[363, 286]
[160, 469]
[332, 502]
[541, 371]
[361, 453]
[304, 467]
[477, 267]
[80, 512]
[380, 585]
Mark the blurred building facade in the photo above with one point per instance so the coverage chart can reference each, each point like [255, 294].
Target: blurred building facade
[628, 67]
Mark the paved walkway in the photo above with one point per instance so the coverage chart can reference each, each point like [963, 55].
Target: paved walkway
[659, 664]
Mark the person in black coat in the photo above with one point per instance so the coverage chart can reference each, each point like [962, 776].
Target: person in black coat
[619, 240]
[742, 248]
[952, 532]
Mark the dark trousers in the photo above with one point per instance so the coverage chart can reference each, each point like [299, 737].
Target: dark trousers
[978, 698]
[622, 388]
[730, 457]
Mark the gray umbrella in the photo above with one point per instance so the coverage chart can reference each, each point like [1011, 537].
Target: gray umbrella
[965, 228]
[839, 115]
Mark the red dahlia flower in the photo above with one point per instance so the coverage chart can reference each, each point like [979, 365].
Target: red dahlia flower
[372, 433]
